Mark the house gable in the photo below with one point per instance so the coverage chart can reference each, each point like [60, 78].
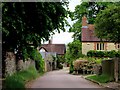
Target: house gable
[60, 49]
[90, 41]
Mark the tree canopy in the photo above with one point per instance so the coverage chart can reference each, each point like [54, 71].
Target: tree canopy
[107, 24]
[74, 51]
[90, 10]
[25, 24]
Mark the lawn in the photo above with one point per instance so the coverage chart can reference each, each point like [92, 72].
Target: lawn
[100, 78]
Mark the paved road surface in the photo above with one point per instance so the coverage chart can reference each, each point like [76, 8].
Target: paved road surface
[61, 79]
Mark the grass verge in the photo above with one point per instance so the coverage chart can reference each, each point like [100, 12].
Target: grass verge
[100, 78]
[19, 79]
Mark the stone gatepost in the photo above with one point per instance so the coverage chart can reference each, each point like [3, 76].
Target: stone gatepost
[116, 69]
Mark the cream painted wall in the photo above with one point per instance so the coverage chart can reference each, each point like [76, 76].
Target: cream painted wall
[111, 46]
[87, 46]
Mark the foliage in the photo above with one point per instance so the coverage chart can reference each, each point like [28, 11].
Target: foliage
[71, 69]
[84, 66]
[60, 61]
[111, 54]
[19, 79]
[59, 65]
[26, 24]
[107, 24]
[73, 51]
[40, 64]
[100, 78]
[90, 10]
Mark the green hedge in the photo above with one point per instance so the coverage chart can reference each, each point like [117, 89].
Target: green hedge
[111, 54]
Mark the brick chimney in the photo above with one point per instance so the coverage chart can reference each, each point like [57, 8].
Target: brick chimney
[50, 41]
[84, 21]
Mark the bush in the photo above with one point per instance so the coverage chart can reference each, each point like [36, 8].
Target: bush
[39, 62]
[60, 66]
[91, 53]
[111, 54]
[18, 80]
[71, 70]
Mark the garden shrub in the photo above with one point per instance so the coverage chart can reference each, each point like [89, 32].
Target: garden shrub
[111, 54]
[91, 53]
[40, 65]
[71, 70]
[60, 66]
[35, 55]
[83, 66]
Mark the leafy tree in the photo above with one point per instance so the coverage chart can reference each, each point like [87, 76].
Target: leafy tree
[26, 24]
[73, 51]
[90, 9]
[107, 24]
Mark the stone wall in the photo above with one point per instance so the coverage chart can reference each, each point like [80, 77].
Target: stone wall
[12, 65]
[22, 65]
[87, 46]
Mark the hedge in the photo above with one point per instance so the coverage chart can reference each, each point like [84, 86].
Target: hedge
[111, 54]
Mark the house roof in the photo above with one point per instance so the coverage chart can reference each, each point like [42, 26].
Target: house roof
[88, 34]
[58, 48]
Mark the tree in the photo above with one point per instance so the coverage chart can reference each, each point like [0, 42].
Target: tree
[90, 9]
[24, 24]
[74, 51]
[107, 24]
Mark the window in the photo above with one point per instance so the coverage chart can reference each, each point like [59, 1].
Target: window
[100, 46]
[117, 46]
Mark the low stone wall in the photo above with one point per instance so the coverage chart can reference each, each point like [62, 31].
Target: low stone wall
[22, 65]
[12, 65]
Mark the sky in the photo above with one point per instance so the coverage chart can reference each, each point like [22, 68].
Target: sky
[65, 37]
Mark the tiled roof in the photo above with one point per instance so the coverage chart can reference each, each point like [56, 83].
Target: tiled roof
[88, 33]
[58, 48]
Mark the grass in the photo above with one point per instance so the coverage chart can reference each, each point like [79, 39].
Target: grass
[19, 79]
[100, 78]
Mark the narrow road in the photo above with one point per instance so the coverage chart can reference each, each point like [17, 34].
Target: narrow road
[61, 79]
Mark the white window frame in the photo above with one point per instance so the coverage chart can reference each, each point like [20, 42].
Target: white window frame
[100, 46]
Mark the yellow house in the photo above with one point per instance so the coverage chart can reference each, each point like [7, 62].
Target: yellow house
[91, 42]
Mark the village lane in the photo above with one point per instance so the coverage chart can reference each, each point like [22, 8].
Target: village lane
[62, 79]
